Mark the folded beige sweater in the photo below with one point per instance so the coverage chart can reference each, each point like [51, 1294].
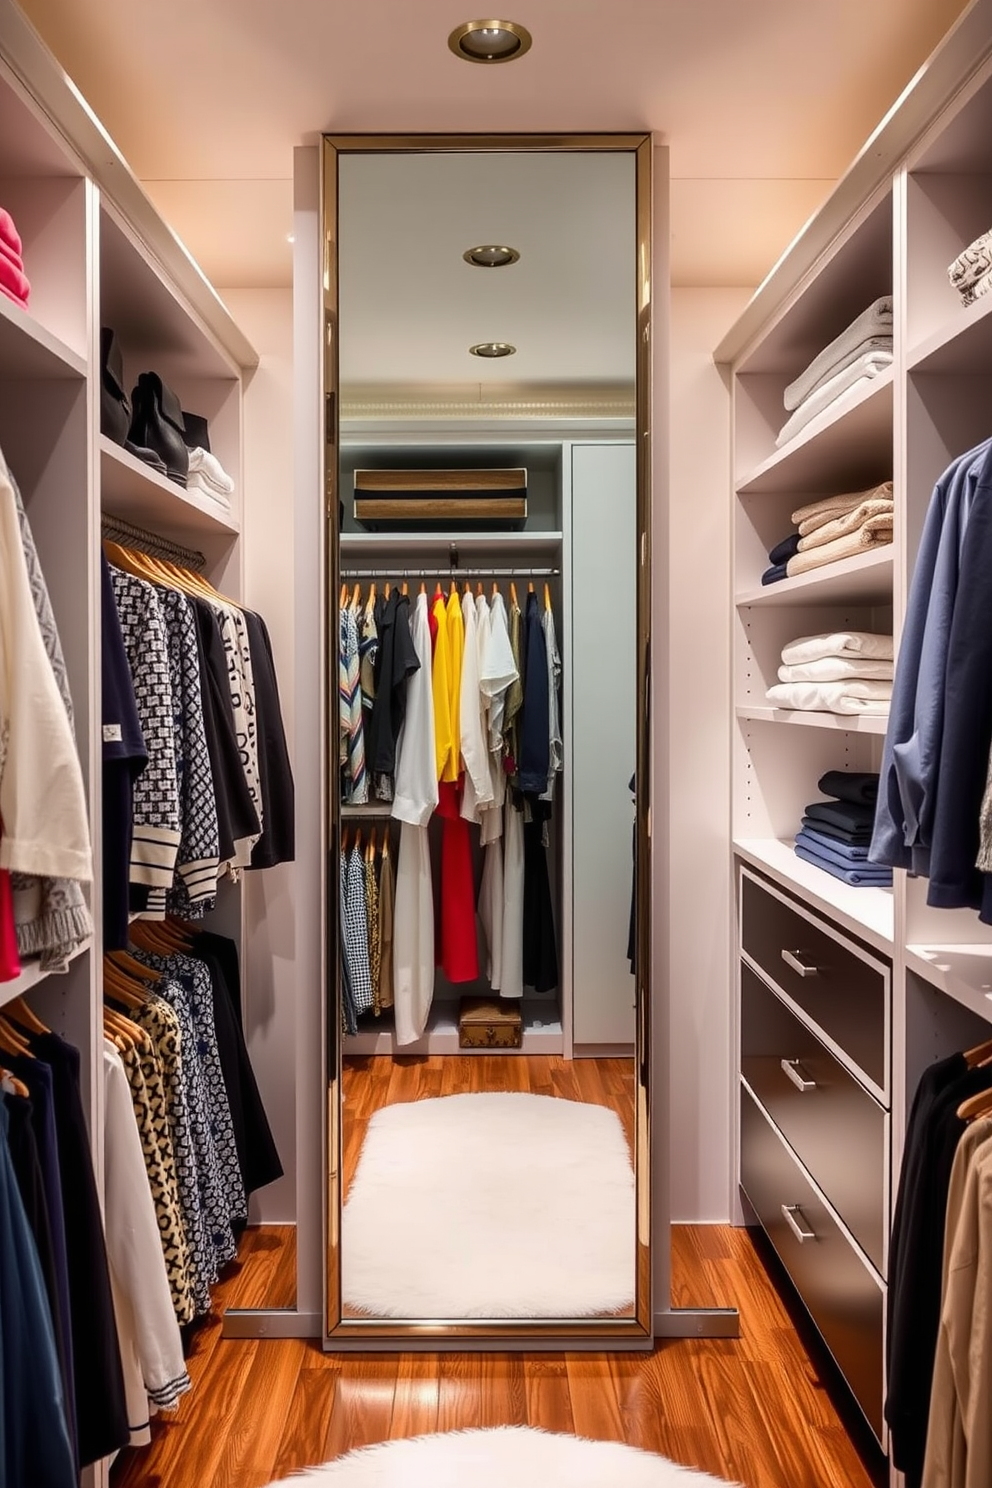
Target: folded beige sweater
[825, 510]
[849, 522]
[874, 533]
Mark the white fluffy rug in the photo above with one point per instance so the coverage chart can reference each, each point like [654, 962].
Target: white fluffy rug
[491, 1206]
[506, 1457]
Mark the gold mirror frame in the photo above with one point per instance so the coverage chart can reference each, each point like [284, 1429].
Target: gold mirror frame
[373, 1333]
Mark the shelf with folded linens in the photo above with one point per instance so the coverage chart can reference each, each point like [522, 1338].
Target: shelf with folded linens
[867, 912]
[864, 579]
[858, 724]
[131, 489]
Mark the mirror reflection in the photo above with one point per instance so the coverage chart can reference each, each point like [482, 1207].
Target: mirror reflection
[485, 666]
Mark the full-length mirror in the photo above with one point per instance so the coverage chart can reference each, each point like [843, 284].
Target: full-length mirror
[488, 597]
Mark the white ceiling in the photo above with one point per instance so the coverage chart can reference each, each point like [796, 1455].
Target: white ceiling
[763, 102]
[411, 306]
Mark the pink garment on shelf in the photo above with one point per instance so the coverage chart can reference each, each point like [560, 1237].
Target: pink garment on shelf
[8, 253]
[9, 233]
[14, 283]
[10, 962]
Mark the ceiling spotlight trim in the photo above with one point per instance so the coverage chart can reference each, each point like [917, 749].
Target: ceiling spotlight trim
[507, 257]
[492, 349]
[469, 28]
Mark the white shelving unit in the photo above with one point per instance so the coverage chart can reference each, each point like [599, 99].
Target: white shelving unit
[915, 197]
[96, 253]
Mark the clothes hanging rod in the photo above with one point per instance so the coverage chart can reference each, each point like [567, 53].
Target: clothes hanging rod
[130, 536]
[440, 571]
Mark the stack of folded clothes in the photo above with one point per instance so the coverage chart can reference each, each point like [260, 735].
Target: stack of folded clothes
[847, 672]
[857, 355]
[835, 834]
[836, 527]
[971, 271]
[14, 283]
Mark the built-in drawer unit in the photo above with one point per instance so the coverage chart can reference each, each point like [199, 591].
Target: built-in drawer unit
[844, 1297]
[838, 1130]
[836, 984]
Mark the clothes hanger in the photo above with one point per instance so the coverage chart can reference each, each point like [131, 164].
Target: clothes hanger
[125, 962]
[133, 994]
[344, 839]
[22, 1014]
[979, 1055]
[343, 598]
[468, 586]
[386, 589]
[975, 1106]
[479, 591]
[547, 597]
[423, 587]
[150, 936]
[453, 591]
[356, 595]
[530, 587]
[12, 1042]
[370, 850]
[495, 590]
[12, 1085]
[370, 602]
[513, 592]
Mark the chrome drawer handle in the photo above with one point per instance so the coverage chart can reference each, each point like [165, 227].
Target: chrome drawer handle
[797, 1074]
[799, 966]
[797, 1225]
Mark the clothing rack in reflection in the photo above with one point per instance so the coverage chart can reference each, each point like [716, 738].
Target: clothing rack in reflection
[439, 571]
[130, 536]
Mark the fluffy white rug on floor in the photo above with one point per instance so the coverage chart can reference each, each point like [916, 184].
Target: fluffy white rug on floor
[505, 1457]
[490, 1206]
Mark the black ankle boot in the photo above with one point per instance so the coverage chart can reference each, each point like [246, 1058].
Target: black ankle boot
[115, 410]
[157, 424]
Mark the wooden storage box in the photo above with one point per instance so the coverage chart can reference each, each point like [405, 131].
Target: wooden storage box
[434, 499]
[487, 1023]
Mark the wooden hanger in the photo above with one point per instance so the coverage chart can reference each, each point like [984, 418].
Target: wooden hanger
[132, 993]
[468, 586]
[513, 593]
[386, 589]
[12, 1085]
[479, 591]
[530, 587]
[370, 602]
[979, 1055]
[345, 834]
[547, 597]
[370, 850]
[423, 586]
[495, 590]
[453, 591]
[343, 597]
[356, 595]
[126, 963]
[975, 1106]
[12, 1042]
[385, 844]
[22, 1014]
[152, 935]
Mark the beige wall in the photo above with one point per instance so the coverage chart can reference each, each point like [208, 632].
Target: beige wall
[699, 903]
[266, 317]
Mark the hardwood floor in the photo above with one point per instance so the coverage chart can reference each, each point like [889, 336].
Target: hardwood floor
[753, 1410]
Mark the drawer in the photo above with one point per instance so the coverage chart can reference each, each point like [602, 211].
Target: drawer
[838, 1130]
[844, 1299]
[839, 986]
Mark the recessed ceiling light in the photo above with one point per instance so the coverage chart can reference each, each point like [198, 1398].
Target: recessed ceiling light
[490, 41]
[490, 256]
[493, 349]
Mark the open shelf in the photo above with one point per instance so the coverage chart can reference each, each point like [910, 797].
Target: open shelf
[963, 972]
[866, 578]
[542, 1034]
[29, 352]
[32, 975]
[867, 912]
[848, 445]
[429, 544]
[856, 723]
[131, 489]
[963, 344]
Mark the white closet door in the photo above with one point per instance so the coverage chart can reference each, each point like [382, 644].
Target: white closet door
[603, 728]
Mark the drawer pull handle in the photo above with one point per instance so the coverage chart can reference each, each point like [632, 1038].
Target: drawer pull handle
[797, 1074]
[799, 966]
[793, 1216]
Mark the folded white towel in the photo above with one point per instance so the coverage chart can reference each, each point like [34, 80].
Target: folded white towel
[816, 513]
[837, 669]
[875, 321]
[874, 533]
[870, 698]
[973, 264]
[211, 471]
[867, 645]
[860, 374]
[975, 291]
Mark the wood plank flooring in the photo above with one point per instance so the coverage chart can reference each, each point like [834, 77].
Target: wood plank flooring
[753, 1411]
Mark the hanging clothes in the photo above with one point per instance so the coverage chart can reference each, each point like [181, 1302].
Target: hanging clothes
[491, 900]
[534, 761]
[512, 955]
[540, 943]
[10, 961]
[413, 935]
[416, 753]
[556, 754]
[125, 756]
[352, 744]
[395, 662]
[445, 726]
[472, 713]
[277, 842]
[356, 946]
[386, 918]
